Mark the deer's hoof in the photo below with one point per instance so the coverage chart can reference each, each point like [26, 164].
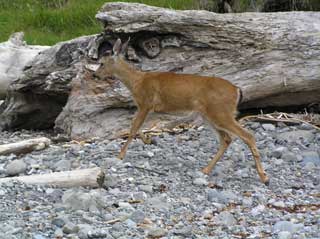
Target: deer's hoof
[120, 157]
[206, 170]
[266, 181]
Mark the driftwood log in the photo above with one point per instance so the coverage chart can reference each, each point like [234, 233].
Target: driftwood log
[92, 177]
[24, 146]
[15, 55]
[273, 57]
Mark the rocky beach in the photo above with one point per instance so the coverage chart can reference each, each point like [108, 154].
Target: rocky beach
[158, 190]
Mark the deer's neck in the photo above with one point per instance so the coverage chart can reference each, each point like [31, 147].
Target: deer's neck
[127, 74]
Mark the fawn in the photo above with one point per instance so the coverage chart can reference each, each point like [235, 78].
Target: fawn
[214, 98]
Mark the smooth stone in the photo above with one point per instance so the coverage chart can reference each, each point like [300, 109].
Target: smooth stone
[2, 192]
[84, 230]
[286, 226]
[58, 233]
[131, 224]
[225, 218]
[207, 214]
[284, 235]
[78, 200]
[268, 127]
[157, 232]
[16, 167]
[60, 221]
[278, 152]
[101, 233]
[185, 231]
[311, 157]
[254, 125]
[221, 196]
[137, 216]
[257, 210]
[62, 165]
[293, 136]
[38, 236]
[200, 182]
[309, 166]
[279, 204]
[289, 156]
[111, 181]
[70, 228]
[158, 203]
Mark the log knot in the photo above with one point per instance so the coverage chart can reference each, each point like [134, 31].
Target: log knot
[151, 47]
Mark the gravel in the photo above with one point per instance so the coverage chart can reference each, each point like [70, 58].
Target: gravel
[158, 190]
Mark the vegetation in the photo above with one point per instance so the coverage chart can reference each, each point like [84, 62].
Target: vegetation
[46, 22]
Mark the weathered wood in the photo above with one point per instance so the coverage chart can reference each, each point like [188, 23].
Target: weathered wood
[15, 54]
[92, 177]
[25, 146]
[35, 99]
[274, 62]
[273, 57]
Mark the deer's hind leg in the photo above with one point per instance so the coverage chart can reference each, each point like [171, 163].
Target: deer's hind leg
[225, 140]
[230, 125]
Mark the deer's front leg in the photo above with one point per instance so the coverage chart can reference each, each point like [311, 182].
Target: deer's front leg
[136, 124]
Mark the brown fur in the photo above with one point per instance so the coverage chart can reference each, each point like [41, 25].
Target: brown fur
[213, 97]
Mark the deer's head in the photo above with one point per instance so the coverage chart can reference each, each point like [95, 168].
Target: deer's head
[109, 63]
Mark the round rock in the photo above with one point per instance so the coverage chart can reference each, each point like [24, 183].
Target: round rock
[16, 167]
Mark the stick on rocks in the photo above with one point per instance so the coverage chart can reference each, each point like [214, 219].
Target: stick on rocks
[91, 177]
[25, 146]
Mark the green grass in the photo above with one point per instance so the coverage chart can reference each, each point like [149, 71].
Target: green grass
[46, 22]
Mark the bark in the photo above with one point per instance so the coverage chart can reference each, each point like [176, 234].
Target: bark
[25, 146]
[15, 55]
[92, 177]
[275, 63]
[272, 57]
[37, 96]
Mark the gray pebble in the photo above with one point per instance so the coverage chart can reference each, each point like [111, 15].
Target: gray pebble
[62, 165]
[200, 182]
[278, 152]
[185, 231]
[137, 216]
[157, 232]
[225, 218]
[60, 221]
[70, 228]
[286, 226]
[311, 157]
[38, 236]
[284, 235]
[16, 167]
[129, 223]
[294, 136]
[58, 233]
[289, 156]
[268, 127]
[221, 196]
[84, 230]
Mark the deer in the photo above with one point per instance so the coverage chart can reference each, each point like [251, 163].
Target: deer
[216, 99]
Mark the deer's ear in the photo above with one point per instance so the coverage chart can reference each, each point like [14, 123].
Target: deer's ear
[124, 47]
[117, 47]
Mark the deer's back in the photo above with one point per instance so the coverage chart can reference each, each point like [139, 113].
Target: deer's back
[183, 92]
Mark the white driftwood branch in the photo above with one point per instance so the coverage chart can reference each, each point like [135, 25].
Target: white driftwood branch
[92, 177]
[24, 146]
